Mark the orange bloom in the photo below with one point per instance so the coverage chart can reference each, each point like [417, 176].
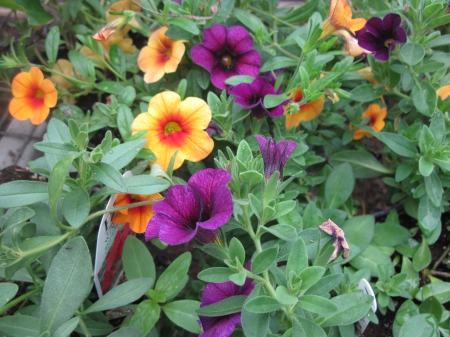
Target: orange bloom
[376, 116]
[172, 125]
[137, 217]
[351, 45]
[444, 92]
[340, 16]
[33, 96]
[306, 112]
[161, 55]
[120, 6]
[103, 34]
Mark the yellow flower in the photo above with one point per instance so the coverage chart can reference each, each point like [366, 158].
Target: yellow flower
[443, 92]
[33, 96]
[172, 125]
[376, 116]
[306, 112]
[161, 55]
[339, 17]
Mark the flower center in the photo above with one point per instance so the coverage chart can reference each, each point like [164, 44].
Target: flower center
[171, 127]
[39, 94]
[372, 120]
[226, 60]
[387, 42]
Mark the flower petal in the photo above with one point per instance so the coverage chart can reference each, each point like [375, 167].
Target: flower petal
[215, 38]
[221, 326]
[50, 93]
[375, 27]
[204, 57]
[20, 108]
[239, 40]
[194, 113]
[244, 95]
[23, 86]
[444, 92]
[219, 75]
[39, 115]
[248, 63]
[197, 145]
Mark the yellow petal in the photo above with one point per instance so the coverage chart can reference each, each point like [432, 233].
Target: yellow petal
[444, 92]
[195, 113]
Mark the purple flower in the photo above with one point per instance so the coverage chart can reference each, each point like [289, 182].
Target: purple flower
[226, 52]
[214, 128]
[275, 155]
[222, 326]
[251, 95]
[381, 36]
[195, 210]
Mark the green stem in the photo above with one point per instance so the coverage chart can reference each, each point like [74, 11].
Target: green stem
[285, 52]
[19, 299]
[110, 68]
[398, 93]
[66, 77]
[47, 246]
[84, 327]
[39, 56]
[438, 262]
[439, 273]
[257, 10]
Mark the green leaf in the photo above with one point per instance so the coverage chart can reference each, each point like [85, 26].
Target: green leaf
[21, 193]
[249, 20]
[422, 256]
[272, 101]
[56, 182]
[11, 5]
[440, 290]
[424, 98]
[364, 164]
[303, 327]
[123, 294]
[20, 326]
[80, 63]
[412, 53]
[121, 155]
[182, 313]
[278, 62]
[428, 215]
[339, 185]
[433, 187]
[310, 276]
[325, 285]
[54, 148]
[137, 260]
[371, 258]
[262, 304]
[283, 296]
[7, 292]
[186, 24]
[352, 307]
[239, 278]
[145, 184]
[228, 306]
[390, 234]
[52, 44]
[424, 325]
[67, 285]
[35, 12]
[76, 207]
[397, 143]
[298, 258]
[317, 304]
[244, 152]
[215, 275]
[284, 232]
[109, 176]
[145, 317]
[431, 305]
[237, 250]
[127, 331]
[67, 328]
[364, 93]
[264, 260]
[173, 276]
[254, 325]
[425, 166]
[124, 120]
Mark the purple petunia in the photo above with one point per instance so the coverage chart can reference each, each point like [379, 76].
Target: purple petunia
[193, 211]
[226, 52]
[381, 36]
[275, 155]
[222, 326]
[251, 95]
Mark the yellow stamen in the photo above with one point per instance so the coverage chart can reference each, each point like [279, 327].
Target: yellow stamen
[39, 94]
[171, 127]
[386, 42]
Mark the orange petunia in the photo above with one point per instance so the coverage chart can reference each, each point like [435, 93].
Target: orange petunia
[376, 116]
[33, 96]
[306, 112]
[161, 55]
[137, 217]
[444, 92]
[339, 17]
[172, 125]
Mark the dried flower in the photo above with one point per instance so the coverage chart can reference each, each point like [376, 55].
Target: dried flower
[306, 112]
[380, 36]
[339, 242]
[226, 52]
[351, 45]
[193, 211]
[33, 96]
[376, 116]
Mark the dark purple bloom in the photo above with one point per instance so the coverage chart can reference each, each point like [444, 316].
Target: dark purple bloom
[214, 128]
[222, 326]
[251, 95]
[275, 155]
[195, 210]
[381, 36]
[226, 52]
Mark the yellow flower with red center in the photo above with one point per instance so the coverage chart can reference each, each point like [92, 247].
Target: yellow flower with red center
[339, 17]
[376, 116]
[444, 92]
[306, 112]
[161, 55]
[172, 125]
[137, 217]
[33, 96]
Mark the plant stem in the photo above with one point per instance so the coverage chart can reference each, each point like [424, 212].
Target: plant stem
[84, 327]
[439, 273]
[257, 10]
[438, 262]
[285, 52]
[19, 299]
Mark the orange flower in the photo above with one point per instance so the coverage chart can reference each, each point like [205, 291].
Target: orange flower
[376, 116]
[340, 16]
[351, 45]
[120, 6]
[137, 217]
[306, 112]
[172, 125]
[33, 96]
[161, 55]
[65, 67]
[444, 92]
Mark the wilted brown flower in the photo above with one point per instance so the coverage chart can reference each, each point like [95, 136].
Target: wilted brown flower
[339, 243]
